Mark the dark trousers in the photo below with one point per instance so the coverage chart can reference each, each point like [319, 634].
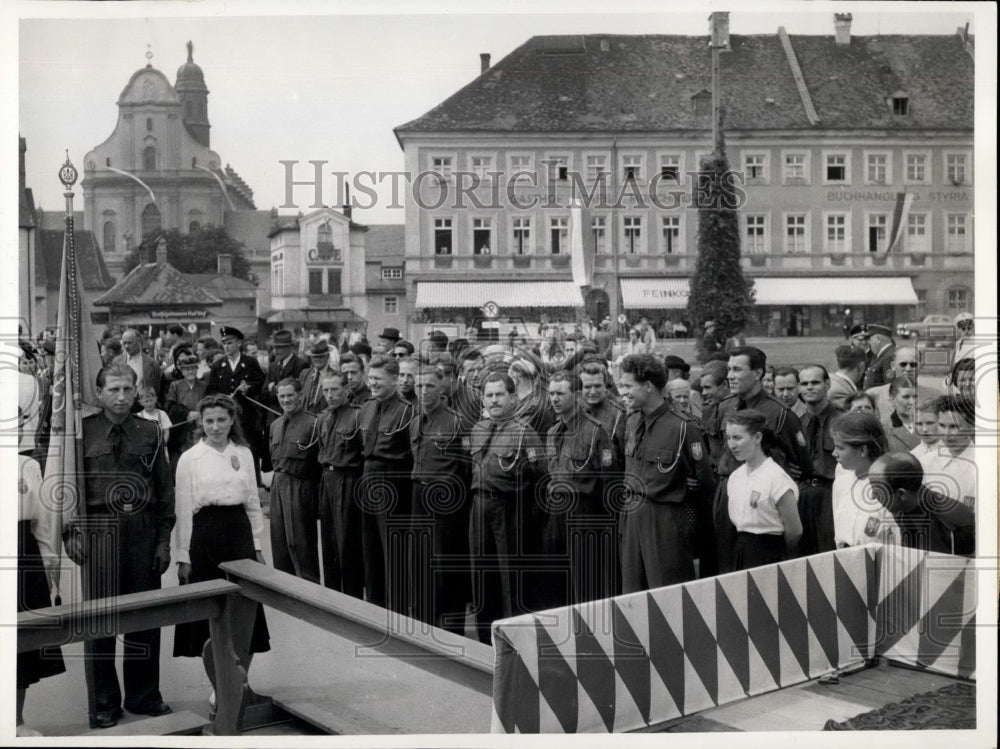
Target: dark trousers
[816, 514]
[439, 534]
[758, 549]
[294, 539]
[495, 551]
[725, 531]
[120, 549]
[581, 558]
[340, 527]
[656, 545]
[385, 501]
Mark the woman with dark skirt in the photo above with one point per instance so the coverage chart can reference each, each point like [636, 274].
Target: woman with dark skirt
[33, 533]
[219, 518]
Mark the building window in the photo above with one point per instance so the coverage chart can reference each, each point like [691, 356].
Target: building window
[756, 234]
[392, 274]
[188, 109]
[277, 279]
[522, 235]
[482, 236]
[599, 229]
[916, 168]
[836, 233]
[795, 168]
[316, 281]
[149, 159]
[877, 232]
[194, 227]
[597, 167]
[333, 281]
[670, 167]
[917, 237]
[900, 106]
[521, 168]
[955, 168]
[442, 236]
[956, 238]
[558, 168]
[795, 233]
[836, 168]
[755, 165]
[958, 299]
[150, 219]
[149, 124]
[390, 305]
[702, 103]
[877, 168]
[559, 235]
[481, 167]
[670, 233]
[921, 302]
[632, 168]
[633, 234]
[109, 236]
[442, 167]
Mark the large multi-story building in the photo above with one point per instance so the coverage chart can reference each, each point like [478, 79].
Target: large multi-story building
[847, 145]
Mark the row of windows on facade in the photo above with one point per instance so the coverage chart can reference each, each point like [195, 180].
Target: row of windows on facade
[151, 221]
[756, 234]
[795, 167]
[334, 278]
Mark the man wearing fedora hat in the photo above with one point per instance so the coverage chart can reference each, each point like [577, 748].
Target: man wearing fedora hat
[312, 378]
[240, 377]
[182, 405]
[284, 362]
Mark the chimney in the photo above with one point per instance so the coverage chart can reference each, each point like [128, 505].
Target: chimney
[347, 202]
[161, 250]
[225, 264]
[484, 62]
[719, 29]
[842, 28]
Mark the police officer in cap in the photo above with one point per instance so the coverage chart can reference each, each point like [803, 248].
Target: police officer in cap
[240, 377]
[883, 348]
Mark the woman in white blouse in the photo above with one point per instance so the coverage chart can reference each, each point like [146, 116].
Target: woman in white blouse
[858, 517]
[218, 514]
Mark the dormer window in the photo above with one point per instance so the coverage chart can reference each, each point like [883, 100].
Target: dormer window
[900, 105]
[702, 103]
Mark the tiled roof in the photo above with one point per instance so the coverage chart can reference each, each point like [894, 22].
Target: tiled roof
[56, 220]
[647, 83]
[157, 284]
[385, 242]
[224, 287]
[94, 273]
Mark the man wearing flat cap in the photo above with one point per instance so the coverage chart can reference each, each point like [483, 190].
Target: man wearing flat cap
[240, 377]
[883, 348]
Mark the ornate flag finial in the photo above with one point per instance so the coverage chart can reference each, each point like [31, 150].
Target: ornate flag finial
[149, 55]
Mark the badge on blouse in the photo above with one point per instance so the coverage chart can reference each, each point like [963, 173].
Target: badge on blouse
[235, 461]
[606, 458]
[696, 452]
[754, 499]
[871, 527]
[22, 487]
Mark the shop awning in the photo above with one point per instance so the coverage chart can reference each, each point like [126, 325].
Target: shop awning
[505, 294]
[655, 293]
[313, 316]
[840, 290]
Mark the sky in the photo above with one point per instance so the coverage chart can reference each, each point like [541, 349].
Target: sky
[326, 87]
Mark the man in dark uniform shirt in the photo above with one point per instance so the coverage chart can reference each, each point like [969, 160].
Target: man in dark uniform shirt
[664, 460]
[746, 369]
[440, 525]
[926, 519]
[816, 491]
[507, 478]
[340, 447]
[121, 540]
[294, 451]
[353, 368]
[460, 396]
[883, 348]
[386, 486]
[579, 534]
[240, 377]
[598, 403]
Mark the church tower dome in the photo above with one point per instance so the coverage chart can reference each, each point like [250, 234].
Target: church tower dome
[193, 93]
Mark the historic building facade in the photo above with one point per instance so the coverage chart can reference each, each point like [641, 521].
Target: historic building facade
[854, 158]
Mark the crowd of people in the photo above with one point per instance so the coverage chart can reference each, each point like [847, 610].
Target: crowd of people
[458, 483]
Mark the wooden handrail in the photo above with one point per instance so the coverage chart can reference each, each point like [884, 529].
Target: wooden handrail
[456, 658]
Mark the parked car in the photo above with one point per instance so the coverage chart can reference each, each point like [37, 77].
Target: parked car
[931, 328]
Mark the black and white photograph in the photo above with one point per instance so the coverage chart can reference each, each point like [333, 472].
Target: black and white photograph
[435, 373]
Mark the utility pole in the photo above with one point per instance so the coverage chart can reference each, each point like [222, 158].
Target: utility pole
[718, 25]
